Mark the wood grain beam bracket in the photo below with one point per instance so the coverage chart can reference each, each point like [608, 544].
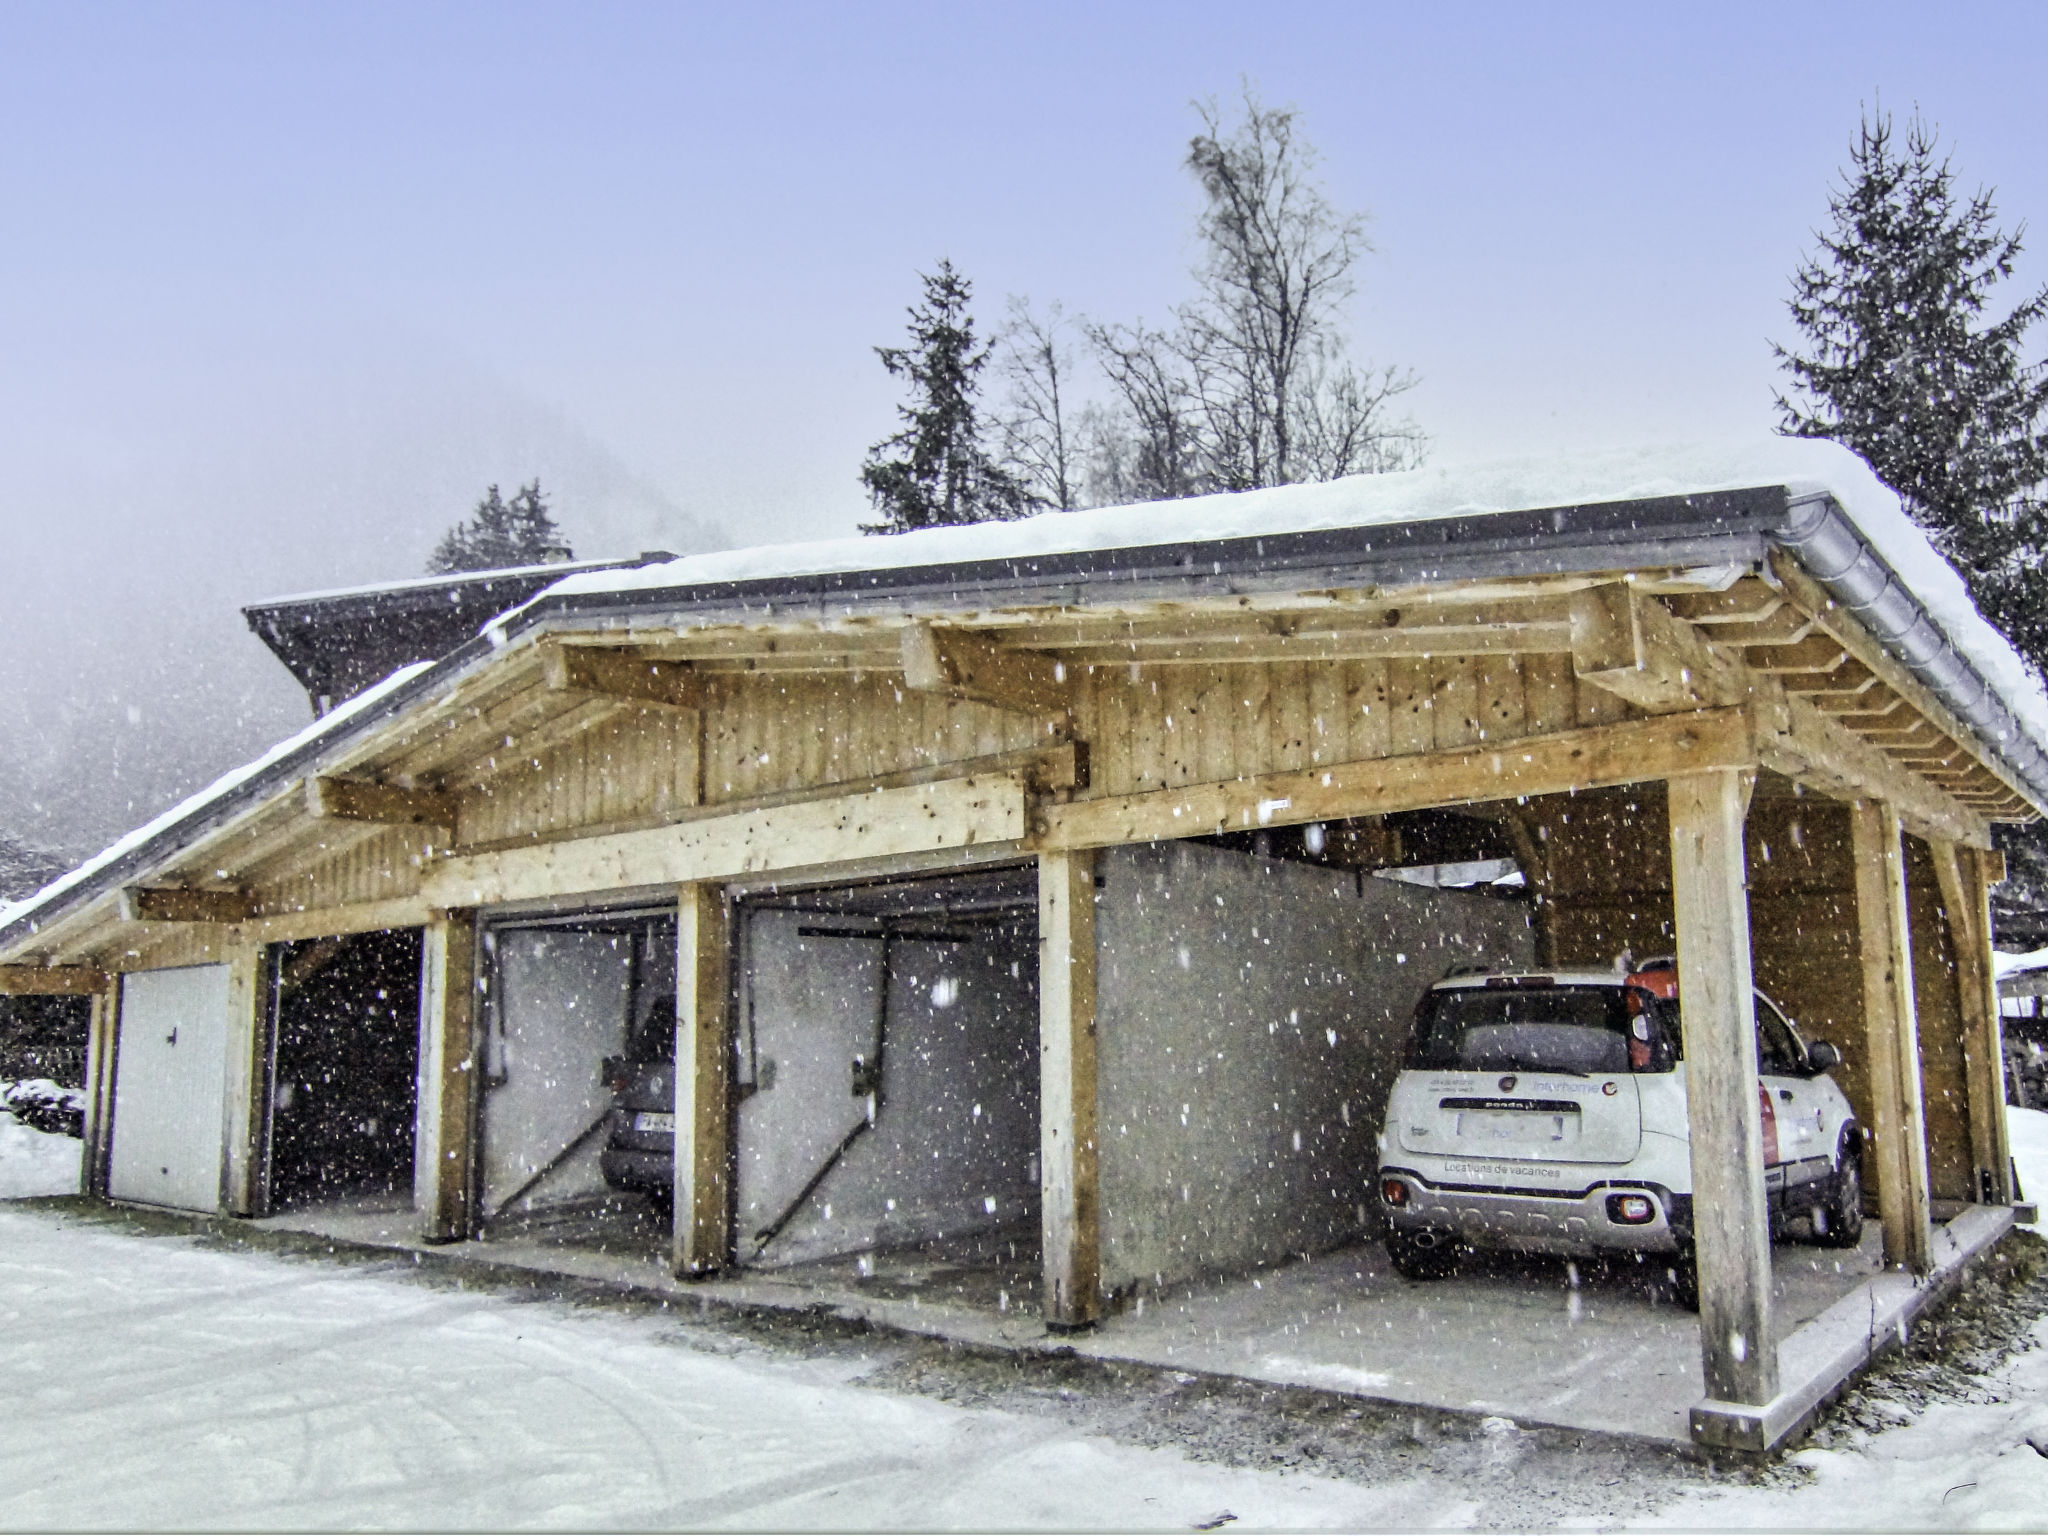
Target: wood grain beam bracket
[626, 675]
[1631, 645]
[183, 904]
[962, 665]
[332, 799]
[52, 981]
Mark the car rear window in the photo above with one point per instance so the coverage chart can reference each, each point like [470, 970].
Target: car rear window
[1539, 1029]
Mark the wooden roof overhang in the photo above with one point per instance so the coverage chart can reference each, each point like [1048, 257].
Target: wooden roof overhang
[1725, 649]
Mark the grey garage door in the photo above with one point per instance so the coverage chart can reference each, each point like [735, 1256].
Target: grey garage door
[170, 1087]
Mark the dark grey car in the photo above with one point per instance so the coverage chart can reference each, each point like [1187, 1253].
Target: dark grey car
[640, 1145]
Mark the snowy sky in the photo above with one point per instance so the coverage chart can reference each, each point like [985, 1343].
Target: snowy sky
[283, 287]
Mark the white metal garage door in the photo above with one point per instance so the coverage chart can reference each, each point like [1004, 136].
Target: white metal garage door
[170, 1088]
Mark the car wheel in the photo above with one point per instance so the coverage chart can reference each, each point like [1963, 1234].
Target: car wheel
[1423, 1256]
[1682, 1277]
[1838, 1219]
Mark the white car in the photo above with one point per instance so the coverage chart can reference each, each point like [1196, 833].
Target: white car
[1546, 1113]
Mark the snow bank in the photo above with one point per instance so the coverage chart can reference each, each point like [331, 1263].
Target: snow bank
[328, 724]
[35, 1162]
[2028, 1130]
[1450, 489]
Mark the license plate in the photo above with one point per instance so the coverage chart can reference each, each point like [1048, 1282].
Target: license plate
[654, 1120]
[1511, 1125]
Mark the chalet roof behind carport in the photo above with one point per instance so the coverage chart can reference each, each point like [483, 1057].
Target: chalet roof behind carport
[1638, 512]
[338, 642]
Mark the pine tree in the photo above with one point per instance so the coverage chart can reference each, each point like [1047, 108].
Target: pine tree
[937, 470]
[1903, 365]
[502, 533]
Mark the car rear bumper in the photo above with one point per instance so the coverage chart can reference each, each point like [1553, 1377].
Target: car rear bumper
[1539, 1223]
[625, 1168]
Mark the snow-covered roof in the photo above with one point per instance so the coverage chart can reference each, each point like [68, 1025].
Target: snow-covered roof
[2004, 963]
[1452, 489]
[451, 579]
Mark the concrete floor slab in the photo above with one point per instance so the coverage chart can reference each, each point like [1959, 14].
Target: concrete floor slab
[1539, 1341]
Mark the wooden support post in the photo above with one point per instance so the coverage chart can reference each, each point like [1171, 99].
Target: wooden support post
[101, 1050]
[1898, 1137]
[1965, 895]
[1069, 1206]
[244, 1179]
[444, 1160]
[1986, 868]
[703, 1176]
[1731, 1224]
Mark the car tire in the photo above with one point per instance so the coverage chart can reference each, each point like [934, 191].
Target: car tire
[1417, 1260]
[1682, 1277]
[1838, 1219]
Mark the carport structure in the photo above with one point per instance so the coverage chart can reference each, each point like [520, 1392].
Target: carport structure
[1702, 707]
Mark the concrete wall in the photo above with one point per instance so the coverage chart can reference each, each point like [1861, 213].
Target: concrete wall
[954, 1147]
[1250, 1019]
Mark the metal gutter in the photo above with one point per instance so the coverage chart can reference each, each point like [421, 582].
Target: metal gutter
[1829, 545]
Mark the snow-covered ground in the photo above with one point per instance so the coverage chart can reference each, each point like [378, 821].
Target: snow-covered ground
[1950, 1466]
[157, 1384]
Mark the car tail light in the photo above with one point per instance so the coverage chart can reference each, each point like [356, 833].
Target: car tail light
[1393, 1191]
[1631, 1210]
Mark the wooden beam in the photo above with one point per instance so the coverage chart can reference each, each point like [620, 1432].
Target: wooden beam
[1896, 1144]
[1748, 601]
[100, 1049]
[703, 1172]
[1628, 752]
[1807, 745]
[243, 1177]
[1069, 1204]
[962, 665]
[1632, 646]
[185, 904]
[1731, 1222]
[1350, 644]
[612, 673]
[1871, 654]
[387, 804]
[1820, 654]
[288, 927]
[444, 1127]
[1045, 770]
[52, 981]
[1965, 899]
[953, 813]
